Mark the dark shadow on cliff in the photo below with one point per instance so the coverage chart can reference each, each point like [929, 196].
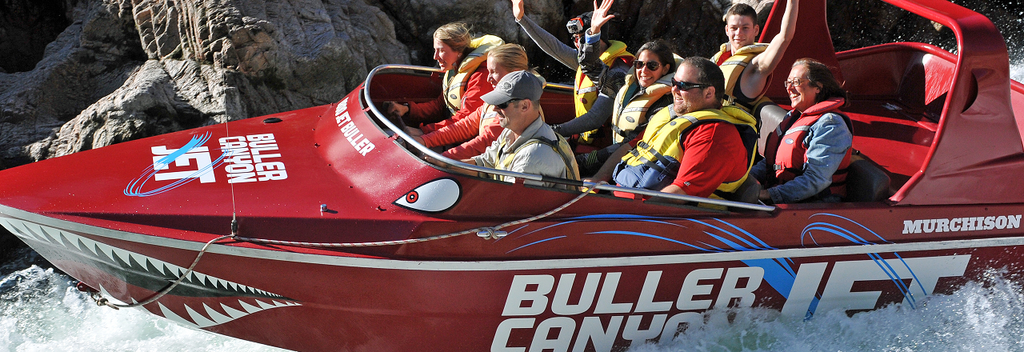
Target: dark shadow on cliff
[26, 27]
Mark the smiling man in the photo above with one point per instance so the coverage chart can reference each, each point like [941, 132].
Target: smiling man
[698, 147]
[748, 65]
[527, 144]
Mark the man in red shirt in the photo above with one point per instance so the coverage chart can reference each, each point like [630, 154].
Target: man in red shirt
[697, 147]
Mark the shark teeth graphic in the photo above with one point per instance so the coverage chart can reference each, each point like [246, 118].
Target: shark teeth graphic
[212, 317]
[128, 261]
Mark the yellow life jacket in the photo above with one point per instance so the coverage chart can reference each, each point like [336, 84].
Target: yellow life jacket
[655, 160]
[585, 92]
[733, 67]
[628, 115]
[625, 119]
[454, 83]
[488, 115]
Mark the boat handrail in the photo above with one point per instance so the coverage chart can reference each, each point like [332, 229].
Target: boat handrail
[533, 177]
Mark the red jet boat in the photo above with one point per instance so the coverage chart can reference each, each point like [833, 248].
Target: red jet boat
[325, 229]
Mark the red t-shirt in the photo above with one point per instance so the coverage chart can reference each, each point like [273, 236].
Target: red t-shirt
[713, 153]
[457, 132]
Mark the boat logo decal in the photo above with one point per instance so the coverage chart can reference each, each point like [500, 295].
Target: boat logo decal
[251, 158]
[592, 307]
[192, 155]
[599, 307]
[720, 236]
[976, 223]
[350, 130]
[432, 197]
[200, 300]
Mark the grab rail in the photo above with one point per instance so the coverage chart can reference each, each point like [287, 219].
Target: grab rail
[539, 178]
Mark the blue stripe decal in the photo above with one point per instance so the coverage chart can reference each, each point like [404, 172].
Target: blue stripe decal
[135, 186]
[640, 234]
[530, 244]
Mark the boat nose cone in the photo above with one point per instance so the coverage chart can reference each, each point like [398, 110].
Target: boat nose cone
[432, 197]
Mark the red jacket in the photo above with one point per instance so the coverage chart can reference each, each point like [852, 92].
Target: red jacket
[429, 115]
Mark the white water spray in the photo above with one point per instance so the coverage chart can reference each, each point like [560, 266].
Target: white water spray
[41, 310]
[975, 318]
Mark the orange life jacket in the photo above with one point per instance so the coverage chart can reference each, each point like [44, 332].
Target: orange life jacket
[791, 152]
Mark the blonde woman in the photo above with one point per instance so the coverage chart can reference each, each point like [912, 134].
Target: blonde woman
[479, 128]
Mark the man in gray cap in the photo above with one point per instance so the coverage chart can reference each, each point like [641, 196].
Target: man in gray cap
[527, 144]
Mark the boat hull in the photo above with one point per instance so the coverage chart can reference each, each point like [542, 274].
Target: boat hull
[363, 302]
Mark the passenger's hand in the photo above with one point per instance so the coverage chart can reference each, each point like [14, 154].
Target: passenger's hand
[395, 109]
[517, 9]
[418, 139]
[600, 16]
[413, 131]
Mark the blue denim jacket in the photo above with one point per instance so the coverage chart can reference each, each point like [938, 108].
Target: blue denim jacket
[827, 142]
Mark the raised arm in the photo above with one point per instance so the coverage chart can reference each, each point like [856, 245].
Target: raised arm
[518, 9]
[600, 16]
[562, 52]
[755, 76]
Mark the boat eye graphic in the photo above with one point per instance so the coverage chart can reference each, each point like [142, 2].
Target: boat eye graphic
[432, 197]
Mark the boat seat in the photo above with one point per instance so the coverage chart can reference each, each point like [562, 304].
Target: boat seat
[769, 116]
[866, 181]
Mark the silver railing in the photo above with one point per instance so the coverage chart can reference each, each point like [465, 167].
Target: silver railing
[538, 178]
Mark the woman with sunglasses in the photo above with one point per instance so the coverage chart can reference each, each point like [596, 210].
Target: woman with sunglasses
[593, 107]
[811, 148]
[639, 94]
[462, 58]
[479, 128]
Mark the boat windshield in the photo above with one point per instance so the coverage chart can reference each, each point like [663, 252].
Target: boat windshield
[378, 88]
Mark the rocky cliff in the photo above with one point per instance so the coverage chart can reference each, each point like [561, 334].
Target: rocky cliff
[82, 74]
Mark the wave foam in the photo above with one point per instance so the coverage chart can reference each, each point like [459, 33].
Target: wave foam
[40, 310]
[980, 317]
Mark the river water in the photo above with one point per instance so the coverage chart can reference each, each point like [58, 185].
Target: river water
[40, 310]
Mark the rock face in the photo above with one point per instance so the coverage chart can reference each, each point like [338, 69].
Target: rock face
[82, 74]
[127, 69]
[130, 69]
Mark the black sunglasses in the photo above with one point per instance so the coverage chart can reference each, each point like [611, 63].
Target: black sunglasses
[504, 105]
[651, 65]
[688, 85]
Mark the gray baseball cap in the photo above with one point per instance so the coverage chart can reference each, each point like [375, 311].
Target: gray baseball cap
[515, 85]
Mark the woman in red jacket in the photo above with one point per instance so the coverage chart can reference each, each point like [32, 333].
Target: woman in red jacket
[461, 57]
